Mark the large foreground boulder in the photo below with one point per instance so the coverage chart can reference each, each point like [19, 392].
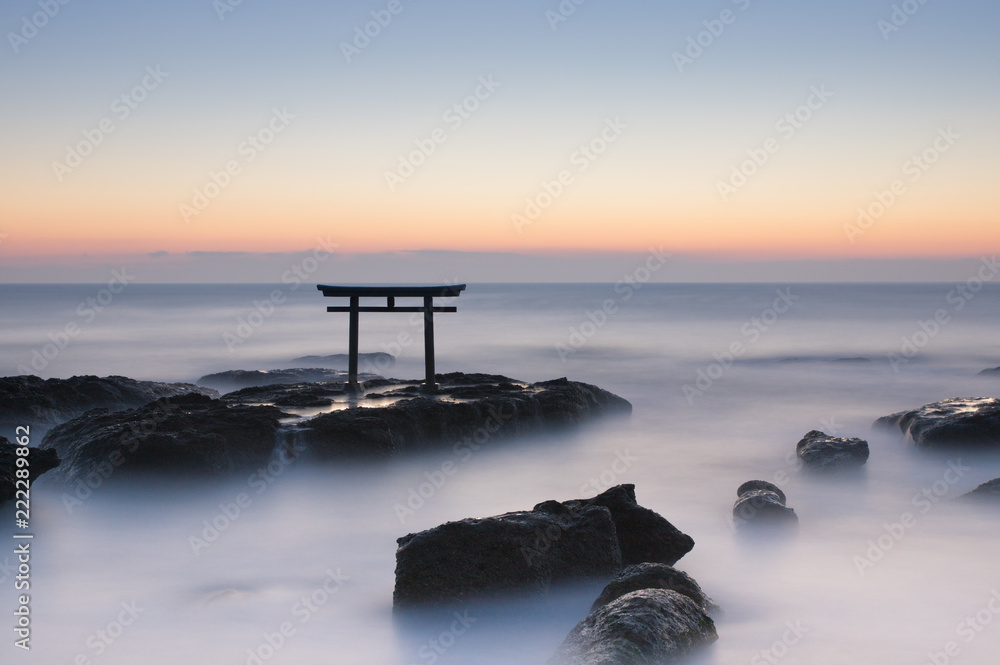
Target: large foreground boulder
[40, 460]
[654, 576]
[639, 628]
[470, 408]
[525, 552]
[29, 400]
[187, 434]
[821, 452]
[967, 422]
[762, 504]
[529, 551]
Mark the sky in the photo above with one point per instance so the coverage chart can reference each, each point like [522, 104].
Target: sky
[194, 139]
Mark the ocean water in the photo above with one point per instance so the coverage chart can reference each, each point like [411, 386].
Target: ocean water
[724, 380]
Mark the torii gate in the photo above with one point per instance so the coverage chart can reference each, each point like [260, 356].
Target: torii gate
[390, 293]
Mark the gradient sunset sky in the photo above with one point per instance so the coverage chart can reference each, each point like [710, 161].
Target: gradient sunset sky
[228, 72]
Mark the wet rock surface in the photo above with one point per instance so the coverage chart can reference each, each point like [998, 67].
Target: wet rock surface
[760, 506]
[959, 422]
[191, 433]
[654, 576]
[639, 628]
[821, 452]
[237, 379]
[529, 551]
[29, 400]
[40, 460]
[466, 407]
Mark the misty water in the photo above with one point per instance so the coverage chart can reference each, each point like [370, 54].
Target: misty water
[852, 585]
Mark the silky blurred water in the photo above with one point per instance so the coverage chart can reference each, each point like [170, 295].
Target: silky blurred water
[830, 594]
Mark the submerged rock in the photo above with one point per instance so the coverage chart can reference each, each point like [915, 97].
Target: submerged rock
[378, 360]
[529, 551]
[819, 451]
[989, 491]
[759, 506]
[969, 422]
[993, 371]
[654, 576]
[29, 400]
[639, 628]
[40, 460]
[186, 434]
[467, 407]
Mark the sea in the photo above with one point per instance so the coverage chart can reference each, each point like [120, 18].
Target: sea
[296, 565]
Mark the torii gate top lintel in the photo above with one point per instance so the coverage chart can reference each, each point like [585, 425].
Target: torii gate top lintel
[390, 293]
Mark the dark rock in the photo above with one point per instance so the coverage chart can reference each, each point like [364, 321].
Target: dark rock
[529, 551]
[40, 460]
[989, 491]
[466, 406]
[644, 535]
[378, 360]
[291, 395]
[654, 576]
[822, 452]
[993, 371]
[242, 378]
[759, 506]
[760, 485]
[29, 400]
[969, 422]
[186, 434]
[639, 628]
[524, 551]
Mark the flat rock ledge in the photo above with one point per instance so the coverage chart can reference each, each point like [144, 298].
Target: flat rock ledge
[474, 408]
[528, 552]
[192, 434]
[959, 422]
[29, 400]
[821, 452]
[40, 460]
